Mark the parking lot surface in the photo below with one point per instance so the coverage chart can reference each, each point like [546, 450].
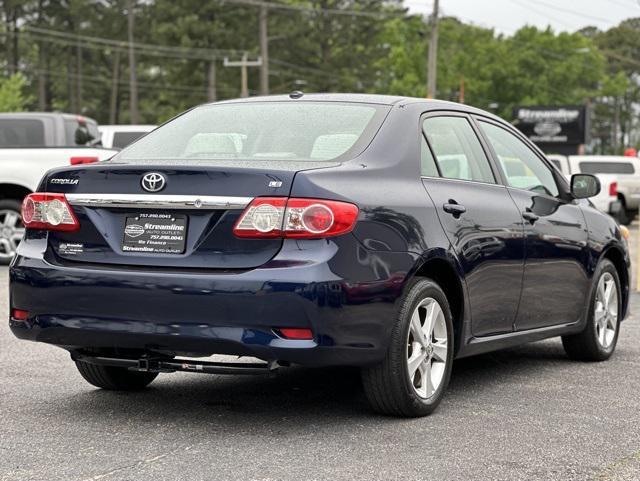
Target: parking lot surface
[523, 414]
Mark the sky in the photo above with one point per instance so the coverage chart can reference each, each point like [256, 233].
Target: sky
[507, 16]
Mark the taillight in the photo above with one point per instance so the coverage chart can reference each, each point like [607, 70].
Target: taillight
[49, 211]
[83, 160]
[613, 189]
[19, 314]
[295, 333]
[269, 217]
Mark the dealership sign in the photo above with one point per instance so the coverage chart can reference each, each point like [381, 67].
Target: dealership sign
[553, 125]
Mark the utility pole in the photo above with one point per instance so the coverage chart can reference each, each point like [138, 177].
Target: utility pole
[133, 82]
[212, 94]
[244, 75]
[79, 76]
[115, 80]
[264, 50]
[42, 78]
[433, 53]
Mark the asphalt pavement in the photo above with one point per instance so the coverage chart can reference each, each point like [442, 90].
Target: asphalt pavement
[527, 413]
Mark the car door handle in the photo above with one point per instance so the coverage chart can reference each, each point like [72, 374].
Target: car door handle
[530, 216]
[453, 208]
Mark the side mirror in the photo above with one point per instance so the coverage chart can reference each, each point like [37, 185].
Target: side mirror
[584, 186]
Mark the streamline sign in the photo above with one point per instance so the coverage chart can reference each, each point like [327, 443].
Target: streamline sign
[553, 126]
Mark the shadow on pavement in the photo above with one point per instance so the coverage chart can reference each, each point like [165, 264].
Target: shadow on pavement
[303, 395]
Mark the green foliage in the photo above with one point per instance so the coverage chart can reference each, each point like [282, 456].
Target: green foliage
[12, 93]
[312, 50]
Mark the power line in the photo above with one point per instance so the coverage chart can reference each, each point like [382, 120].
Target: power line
[291, 66]
[325, 11]
[204, 53]
[625, 4]
[572, 12]
[542, 14]
[622, 58]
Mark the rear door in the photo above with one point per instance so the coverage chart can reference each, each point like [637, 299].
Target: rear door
[479, 217]
[555, 281]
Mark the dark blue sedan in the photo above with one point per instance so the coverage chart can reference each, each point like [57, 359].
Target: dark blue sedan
[390, 233]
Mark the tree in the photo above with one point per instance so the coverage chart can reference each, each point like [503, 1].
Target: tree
[12, 93]
[620, 97]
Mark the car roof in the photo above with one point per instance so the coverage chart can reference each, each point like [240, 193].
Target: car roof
[427, 104]
[322, 97]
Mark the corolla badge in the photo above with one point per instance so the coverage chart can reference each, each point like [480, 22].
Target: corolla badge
[153, 182]
[134, 230]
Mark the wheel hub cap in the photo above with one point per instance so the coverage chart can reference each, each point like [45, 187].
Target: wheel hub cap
[606, 310]
[427, 347]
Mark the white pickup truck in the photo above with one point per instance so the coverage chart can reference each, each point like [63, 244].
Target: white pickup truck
[120, 136]
[30, 145]
[619, 176]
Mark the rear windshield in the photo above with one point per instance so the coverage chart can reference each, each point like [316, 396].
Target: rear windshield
[21, 133]
[300, 131]
[606, 168]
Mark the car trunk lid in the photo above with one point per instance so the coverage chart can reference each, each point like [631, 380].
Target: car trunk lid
[187, 223]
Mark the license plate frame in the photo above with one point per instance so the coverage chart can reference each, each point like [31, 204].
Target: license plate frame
[155, 233]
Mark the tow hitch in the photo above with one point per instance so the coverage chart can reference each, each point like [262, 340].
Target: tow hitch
[155, 364]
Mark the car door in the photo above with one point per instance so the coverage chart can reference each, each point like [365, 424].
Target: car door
[555, 281]
[479, 217]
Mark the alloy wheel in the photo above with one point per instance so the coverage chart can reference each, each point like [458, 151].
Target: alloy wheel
[427, 348]
[606, 310]
[11, 232]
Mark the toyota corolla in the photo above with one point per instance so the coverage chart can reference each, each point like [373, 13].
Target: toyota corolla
[393, 234]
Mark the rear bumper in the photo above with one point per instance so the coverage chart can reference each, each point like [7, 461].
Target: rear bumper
[350, 311]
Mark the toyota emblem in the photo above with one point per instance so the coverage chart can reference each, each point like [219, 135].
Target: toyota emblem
[153, 182]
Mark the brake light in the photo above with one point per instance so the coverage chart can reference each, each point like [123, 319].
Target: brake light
[19, 314]
[613, 189]
[48, 211]
[271, 217]
[295, 333]
[83, 160]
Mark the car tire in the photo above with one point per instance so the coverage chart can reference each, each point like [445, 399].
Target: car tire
[395, 386]
[8, 206]
[114, 378]
[599, 338]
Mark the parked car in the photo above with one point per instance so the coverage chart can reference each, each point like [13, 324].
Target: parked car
[389, 233]
[119, 136]
[619, 175]
[30, 144]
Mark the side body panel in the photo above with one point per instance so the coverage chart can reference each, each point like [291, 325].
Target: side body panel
[488, 241]
[556, 279]
[605, 238]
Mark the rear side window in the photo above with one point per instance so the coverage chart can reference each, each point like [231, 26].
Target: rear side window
[122, 139]
[21, 133]
[282, 131]
[523, 168]
[607, 168]
[457, 149]
[427, 162]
